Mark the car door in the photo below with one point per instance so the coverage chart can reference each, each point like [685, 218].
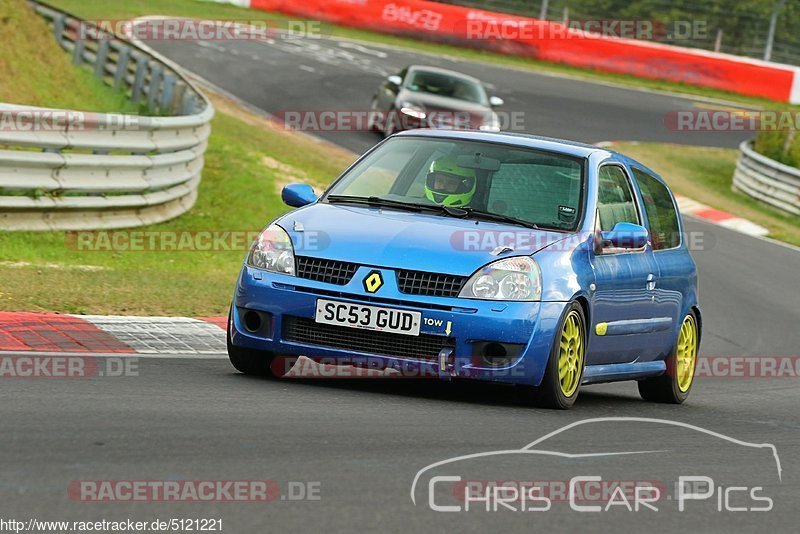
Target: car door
[677, 275]
[624, 313]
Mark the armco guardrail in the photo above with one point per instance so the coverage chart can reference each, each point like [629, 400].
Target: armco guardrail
[81, 170]
[767, 180]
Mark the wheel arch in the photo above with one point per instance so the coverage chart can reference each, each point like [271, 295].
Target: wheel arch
[699, 316]
[584, 302]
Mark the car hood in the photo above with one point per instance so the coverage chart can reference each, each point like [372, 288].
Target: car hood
[442, 103]
[397, 239]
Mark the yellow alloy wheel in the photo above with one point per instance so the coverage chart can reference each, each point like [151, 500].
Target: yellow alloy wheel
[570, 354]
[686, 353]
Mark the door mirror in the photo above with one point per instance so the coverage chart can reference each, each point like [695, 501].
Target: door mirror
[395, 80]
[298, 195]
[496, 101]
[625, 236]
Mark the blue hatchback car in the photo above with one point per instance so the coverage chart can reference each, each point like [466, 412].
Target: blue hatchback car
[484, 256]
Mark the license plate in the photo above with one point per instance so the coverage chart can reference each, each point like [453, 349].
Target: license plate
[368, 317]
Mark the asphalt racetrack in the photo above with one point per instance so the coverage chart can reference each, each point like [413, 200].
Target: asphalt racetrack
[361, 443]
[333, 74]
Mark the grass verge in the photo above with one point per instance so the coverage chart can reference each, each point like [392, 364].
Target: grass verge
[98, 9]
[705, 174]
[35, 71]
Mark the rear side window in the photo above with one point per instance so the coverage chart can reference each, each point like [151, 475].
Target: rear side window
[661, 214]
[614, 198]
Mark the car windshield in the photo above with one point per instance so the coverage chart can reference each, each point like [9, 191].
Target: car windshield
[469, 179]
[441, 84]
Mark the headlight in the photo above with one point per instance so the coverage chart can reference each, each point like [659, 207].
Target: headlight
[272, 251]
[413, 110]
[515, 278]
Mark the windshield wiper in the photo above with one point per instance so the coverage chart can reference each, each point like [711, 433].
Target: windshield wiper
[497, 217]
[452, 211]
[382, 202]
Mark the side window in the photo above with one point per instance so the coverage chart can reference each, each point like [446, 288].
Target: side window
[615, 200]
[661, 214]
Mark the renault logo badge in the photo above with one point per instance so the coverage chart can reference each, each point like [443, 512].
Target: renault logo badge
[373, 281]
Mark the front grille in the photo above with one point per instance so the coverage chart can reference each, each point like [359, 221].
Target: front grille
[421, 347]
[328, 271]
[430, 284]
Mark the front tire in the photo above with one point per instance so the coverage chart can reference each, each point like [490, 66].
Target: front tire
[256, 362]
[674, 385]
[390, 124]
[372, 124]
[564, 373]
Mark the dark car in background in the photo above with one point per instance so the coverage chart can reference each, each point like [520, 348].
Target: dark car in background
[432, 97]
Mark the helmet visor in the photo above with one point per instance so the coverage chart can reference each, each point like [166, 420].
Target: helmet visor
[449, 184]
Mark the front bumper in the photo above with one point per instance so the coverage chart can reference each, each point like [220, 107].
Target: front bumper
[464, 326]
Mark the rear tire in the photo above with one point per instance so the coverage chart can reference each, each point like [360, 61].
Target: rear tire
[257, 362]
[564, 373]
[674, 386]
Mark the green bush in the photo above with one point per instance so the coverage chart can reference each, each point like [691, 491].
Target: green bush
[782, 146]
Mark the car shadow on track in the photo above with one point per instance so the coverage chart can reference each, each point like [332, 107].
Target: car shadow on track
[458, 391]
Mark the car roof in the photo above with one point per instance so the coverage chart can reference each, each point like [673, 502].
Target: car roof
[572, 148]
[439, 70]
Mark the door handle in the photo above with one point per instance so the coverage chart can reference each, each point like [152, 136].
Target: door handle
[651, 282]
